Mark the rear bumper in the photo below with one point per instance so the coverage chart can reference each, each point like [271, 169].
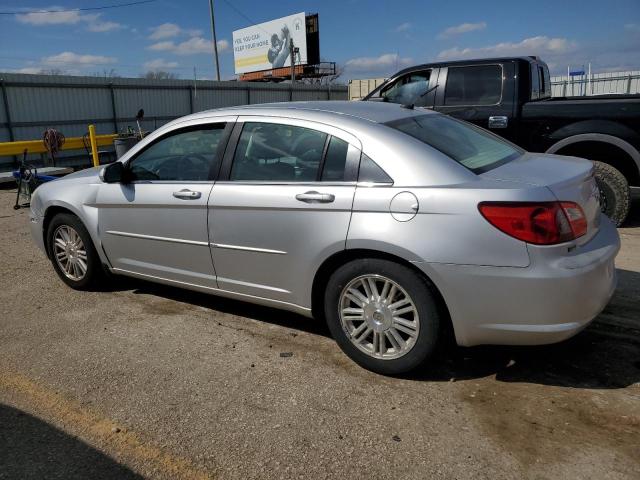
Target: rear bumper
[551, 300]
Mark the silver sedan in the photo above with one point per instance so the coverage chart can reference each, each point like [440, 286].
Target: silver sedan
[394, 224]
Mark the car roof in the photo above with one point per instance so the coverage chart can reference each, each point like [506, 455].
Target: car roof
[377, 112]
[400, 155]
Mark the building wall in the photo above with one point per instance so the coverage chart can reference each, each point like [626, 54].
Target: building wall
[359, 89]
[69, 104]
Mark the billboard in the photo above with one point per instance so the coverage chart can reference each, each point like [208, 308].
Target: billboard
[266, 45]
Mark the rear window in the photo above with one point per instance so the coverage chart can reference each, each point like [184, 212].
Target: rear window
[471, 146]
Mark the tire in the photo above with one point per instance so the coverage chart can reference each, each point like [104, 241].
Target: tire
[81, 251]
[423, 321]
[615, 196]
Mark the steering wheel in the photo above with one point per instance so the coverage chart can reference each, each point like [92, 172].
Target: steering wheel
[191, 166]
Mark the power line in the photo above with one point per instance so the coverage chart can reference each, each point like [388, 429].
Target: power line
[239, 12]
[86, 9]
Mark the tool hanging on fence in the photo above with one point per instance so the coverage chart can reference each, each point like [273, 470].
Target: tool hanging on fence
[53, 141]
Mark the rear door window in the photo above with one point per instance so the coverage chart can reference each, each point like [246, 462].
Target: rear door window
[277, 152]
[474, 85]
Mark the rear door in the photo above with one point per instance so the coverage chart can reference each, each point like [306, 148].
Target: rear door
[281, 206]
[481, 94]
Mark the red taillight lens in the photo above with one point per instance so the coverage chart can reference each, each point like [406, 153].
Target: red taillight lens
[542, 223]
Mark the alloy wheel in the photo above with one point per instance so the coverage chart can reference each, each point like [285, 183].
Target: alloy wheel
[379, 317]
[70, 253]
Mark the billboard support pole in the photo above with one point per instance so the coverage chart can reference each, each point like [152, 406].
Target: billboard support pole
[293, 63]
[215, 41]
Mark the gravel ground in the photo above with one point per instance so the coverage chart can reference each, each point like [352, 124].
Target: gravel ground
[145, 381]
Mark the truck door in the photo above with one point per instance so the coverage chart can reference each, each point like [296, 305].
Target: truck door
[482, 94]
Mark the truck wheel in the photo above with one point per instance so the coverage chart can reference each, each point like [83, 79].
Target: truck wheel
[615, 197]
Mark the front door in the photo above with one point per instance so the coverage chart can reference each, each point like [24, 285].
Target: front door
[281, 206]
[156, 224]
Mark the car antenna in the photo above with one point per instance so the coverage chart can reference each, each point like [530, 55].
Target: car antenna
[408, 106]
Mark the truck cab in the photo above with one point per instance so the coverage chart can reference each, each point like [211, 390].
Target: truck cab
[485, 92]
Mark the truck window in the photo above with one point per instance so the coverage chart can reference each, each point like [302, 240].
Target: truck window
[471, 146]
[408, 89]
[535, 84]
[545, 82]
[474, 85]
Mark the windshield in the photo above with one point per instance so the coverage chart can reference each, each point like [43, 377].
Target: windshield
[471, 146]
[409, 89]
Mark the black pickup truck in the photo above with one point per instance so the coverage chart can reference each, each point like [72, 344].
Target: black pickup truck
[512, 98]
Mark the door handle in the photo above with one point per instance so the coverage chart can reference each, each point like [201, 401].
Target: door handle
[187, 194]
[315, 197]
[498, 121]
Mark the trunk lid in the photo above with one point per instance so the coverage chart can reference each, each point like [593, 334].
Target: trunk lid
[568, 178]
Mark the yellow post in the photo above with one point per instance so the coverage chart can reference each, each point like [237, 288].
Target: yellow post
[94, 145]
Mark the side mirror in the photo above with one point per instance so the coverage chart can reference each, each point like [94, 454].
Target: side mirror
[113, 173]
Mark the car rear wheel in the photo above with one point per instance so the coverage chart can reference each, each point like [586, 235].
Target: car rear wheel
[383, 315]
[72, 253]
[615, 197]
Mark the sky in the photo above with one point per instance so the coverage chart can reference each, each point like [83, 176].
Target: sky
[367, 39]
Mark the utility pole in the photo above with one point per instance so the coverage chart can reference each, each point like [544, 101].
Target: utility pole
[215, 41]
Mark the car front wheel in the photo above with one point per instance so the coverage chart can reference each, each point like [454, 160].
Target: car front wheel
[72, 253]
[383, 315]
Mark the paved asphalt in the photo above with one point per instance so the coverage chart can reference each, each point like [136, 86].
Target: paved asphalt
[145, 381]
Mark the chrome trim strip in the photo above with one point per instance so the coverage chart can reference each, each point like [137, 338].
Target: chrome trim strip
[218, 291]
[159, 239]
[247, 249]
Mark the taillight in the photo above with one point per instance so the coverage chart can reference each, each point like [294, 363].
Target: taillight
[541, 223]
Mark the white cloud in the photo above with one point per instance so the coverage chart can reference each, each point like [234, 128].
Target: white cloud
[93, 22]
[223, 45]
[382, 63]
[103, 26]
[403, 27]
[540, 45]
[70, 58]
[162, 46]
[166, 30]
[70, 17]
[462, 28]
[170, 30]
[159, 64]
[192, 46]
